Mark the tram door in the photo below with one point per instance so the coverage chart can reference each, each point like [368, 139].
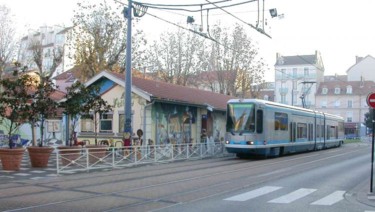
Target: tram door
[319, 130]
[293, 136]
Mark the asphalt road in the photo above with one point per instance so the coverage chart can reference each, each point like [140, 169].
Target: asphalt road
[325, 180]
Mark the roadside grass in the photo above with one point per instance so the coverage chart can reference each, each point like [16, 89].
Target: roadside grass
[348, 141]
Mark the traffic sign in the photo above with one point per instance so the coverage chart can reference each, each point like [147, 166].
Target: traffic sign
[371, 100]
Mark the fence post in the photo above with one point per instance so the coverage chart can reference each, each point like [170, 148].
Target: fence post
[57, 162]
[113, 157]
[87, 159]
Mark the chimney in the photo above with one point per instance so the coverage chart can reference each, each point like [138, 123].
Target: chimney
[279, 59]
[358, 59]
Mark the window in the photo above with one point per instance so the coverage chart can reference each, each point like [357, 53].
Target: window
[283, 98]
[324, 90]
[259, 121]
[349, 116]
[323, 104]
[87, 123]
[311, 132]
[350, 103]
[337, 90]
[301, 130]
[306, 71]
[337, 103]
[349, 89]
[294, 84]
[331, 132]
[266, 97]
[281, 121]
[283, 74]
[106, 122]
[294, 72]
[318, 133]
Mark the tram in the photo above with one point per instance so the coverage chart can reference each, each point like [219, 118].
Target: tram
[262, 128]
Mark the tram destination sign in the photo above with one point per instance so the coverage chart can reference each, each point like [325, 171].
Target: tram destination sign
[371, 100]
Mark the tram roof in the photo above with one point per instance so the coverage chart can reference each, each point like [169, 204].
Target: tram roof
[265, 102]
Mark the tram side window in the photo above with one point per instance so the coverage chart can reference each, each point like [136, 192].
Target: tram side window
[331, 132]
[328, 132]
[311, 131]
[259, 124]
[281, 121]
[318, 131]
[301, 130]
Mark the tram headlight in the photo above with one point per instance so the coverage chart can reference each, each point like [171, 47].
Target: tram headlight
[250, 143]
[226, 142]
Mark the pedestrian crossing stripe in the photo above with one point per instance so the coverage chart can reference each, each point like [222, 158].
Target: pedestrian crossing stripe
[253, 194]
[328, 200]
[288, 198]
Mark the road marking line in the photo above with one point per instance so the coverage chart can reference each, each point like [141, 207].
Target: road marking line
[254, 193]
[330, 199]
[288, 198]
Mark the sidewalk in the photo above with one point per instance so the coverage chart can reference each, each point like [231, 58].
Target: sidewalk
[27, 172]
[362, 194]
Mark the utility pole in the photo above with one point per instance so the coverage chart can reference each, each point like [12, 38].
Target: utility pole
[128, 76]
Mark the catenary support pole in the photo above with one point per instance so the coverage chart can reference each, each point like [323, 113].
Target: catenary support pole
[128, 76]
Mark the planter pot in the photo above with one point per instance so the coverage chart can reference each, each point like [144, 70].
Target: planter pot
[69, 154]
[96, 152]
[39, 156]
[11, 158]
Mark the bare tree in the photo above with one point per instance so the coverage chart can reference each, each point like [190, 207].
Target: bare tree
[236, 62]
[99, 39]
[175, 56]
[45, 69]
[7, 38]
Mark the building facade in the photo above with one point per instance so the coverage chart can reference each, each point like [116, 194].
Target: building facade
[51, 39]
[297, 78]
[164, 113]
[347, 99]
[363, 69]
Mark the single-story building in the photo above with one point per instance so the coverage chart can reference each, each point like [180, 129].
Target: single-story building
[162, 112]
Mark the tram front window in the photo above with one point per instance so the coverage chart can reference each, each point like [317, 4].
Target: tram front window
[241, 117]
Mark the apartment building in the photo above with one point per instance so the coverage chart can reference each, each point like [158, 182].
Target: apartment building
[50, 38]
[297, 78]
[347, 99]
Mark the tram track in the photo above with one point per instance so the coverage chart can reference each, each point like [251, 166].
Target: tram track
[191, 172]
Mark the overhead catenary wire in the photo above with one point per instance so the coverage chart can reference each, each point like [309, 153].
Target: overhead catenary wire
[177, 7]
[184, 28]
[254, 27]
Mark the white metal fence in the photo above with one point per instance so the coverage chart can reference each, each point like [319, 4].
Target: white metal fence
[86, 159]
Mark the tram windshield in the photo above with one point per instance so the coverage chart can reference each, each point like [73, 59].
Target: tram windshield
[241, 117]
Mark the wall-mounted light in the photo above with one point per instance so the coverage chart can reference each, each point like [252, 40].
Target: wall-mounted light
[190, 20]
[273, 12]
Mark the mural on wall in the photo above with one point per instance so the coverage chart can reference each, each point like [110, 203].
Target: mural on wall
[173, 123]
[219, 127]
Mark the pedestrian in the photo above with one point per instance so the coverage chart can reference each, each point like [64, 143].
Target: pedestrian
[127, 144]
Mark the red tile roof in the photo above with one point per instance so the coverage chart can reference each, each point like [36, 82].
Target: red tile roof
[175, 93]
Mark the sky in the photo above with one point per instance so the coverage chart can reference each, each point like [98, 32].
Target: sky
[340, 30]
